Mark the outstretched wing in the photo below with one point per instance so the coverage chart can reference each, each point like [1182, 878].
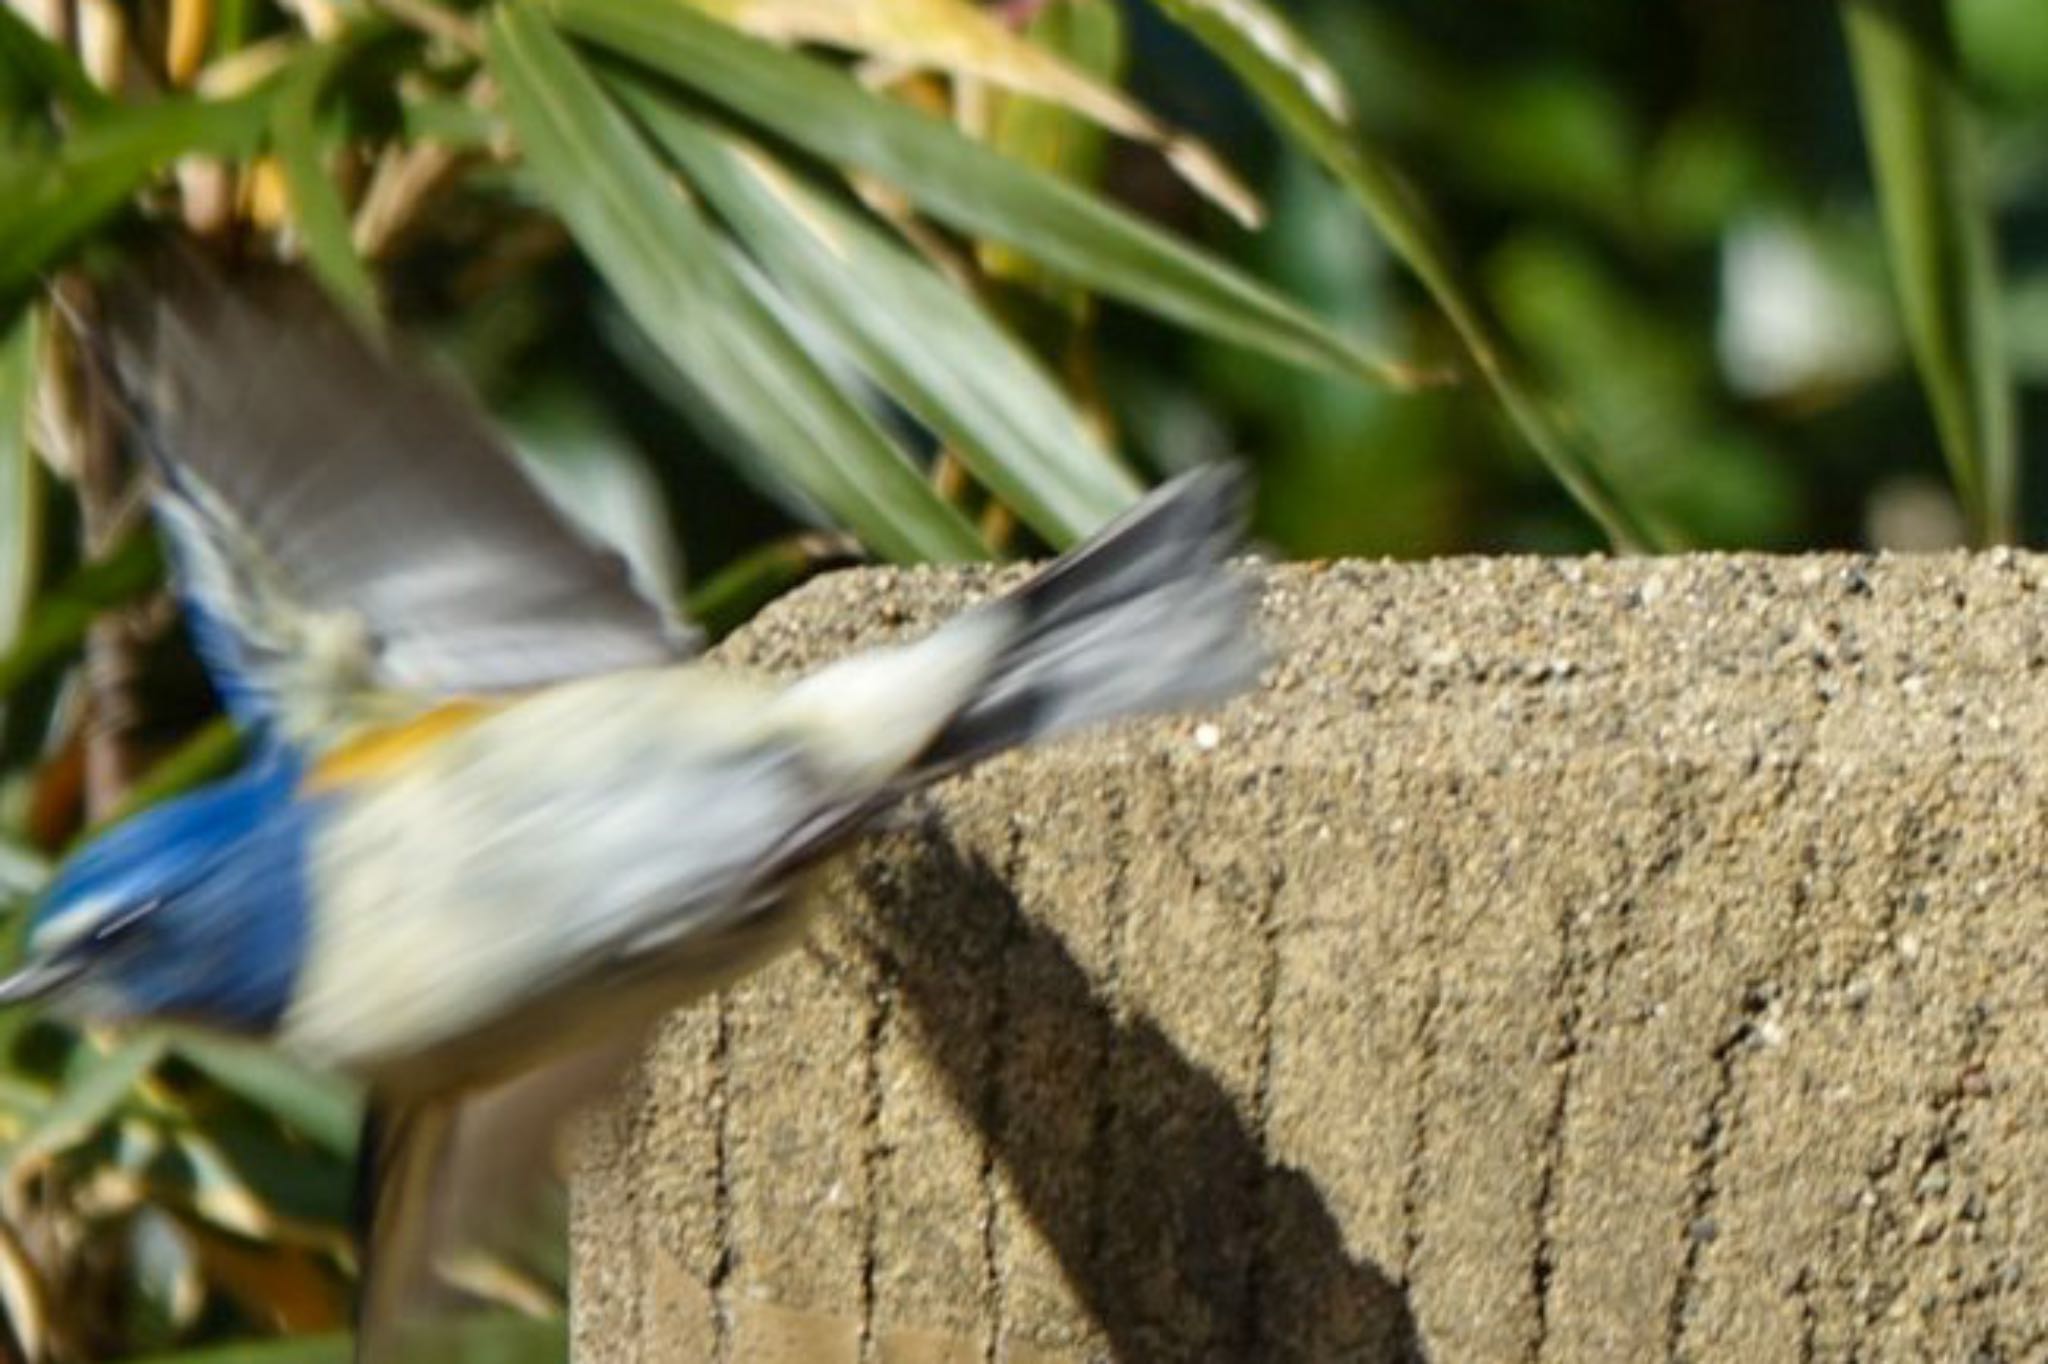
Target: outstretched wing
[344, 524]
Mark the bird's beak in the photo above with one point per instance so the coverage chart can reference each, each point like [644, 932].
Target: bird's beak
[37, 980]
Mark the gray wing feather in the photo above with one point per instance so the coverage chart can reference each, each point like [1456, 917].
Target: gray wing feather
[367, 488]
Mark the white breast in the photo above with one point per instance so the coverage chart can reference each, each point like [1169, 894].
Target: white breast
[532, 844]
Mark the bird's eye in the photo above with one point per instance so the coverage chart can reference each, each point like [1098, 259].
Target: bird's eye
[117, 926]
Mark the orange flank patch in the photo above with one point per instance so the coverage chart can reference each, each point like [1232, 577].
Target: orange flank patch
[378, 751]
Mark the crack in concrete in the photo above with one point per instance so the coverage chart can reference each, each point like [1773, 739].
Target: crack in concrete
[720, 1097]
[1110, 990]
[1569, 988]
[1705, 1185]
[1414, 1183]
[996, 1056]
[872, 1154]
[1266, 920]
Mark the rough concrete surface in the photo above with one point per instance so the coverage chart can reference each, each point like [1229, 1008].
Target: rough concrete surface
[1554, 961]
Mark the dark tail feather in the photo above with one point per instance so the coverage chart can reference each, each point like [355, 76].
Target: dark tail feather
[1144, 617]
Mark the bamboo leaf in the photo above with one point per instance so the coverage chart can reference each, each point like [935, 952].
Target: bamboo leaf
[317, 210]
[328, 1349]
[58, 624]
[21, 485]
[54, 200]
[959, 181]
[961, 40]
[211, 752]
[31, 59]
[478, 1339]
[1938, 226]
[1304, 97]
[675, 276]
[92, 1094]
[928, 344]
[327, 1110]
[740, 589]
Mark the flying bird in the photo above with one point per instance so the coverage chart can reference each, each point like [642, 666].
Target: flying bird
[499, 815]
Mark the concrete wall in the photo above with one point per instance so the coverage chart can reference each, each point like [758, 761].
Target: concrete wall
[1557, 960]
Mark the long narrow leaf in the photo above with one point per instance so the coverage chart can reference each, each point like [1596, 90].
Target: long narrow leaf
[211, 752]
[58, 624]
[1937, 220]
[966, 41]
[52, 201]
[959, 181]
[328, 1349]
[1304, 98]
[91, 1097]
[317, 210]
[495, 1338]
[327, 1110]
[21, 501]
[925, 341]
[672, 272]
[33, 59]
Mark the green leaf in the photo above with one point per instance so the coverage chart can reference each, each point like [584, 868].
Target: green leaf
[676, 277]
[479, 1339]
[925, 341]
[1304, 98]
[57, 626]
[328, 1349]
[959, 181]
[734, 593]
[1938, 225]
[21, 484]
[317, 209]
[23, 870]
[55, 200]
[31, 59]
[328, 1110]
[212, 752]
[93, 1093]
[576, 449]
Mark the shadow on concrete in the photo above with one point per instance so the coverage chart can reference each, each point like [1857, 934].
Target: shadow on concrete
[1182, 1239]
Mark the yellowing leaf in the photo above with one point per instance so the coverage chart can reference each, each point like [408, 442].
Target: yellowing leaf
[956, 37]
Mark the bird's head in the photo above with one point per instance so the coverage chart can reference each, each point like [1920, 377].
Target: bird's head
[194, 909]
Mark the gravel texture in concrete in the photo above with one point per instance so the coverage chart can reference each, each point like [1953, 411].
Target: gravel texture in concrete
[1555, 960]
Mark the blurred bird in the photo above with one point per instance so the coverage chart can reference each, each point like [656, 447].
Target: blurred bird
[497, 821]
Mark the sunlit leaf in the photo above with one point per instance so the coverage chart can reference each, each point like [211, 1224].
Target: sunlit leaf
[955, 37]
[294, 1289]
[23, 1296]
[959, 181]
[1938, 222]
[1090, 35]
[927, 343]
[242, 1180]
[675, 275]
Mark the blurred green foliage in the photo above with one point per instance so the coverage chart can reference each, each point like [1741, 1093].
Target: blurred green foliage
[1671, 209]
